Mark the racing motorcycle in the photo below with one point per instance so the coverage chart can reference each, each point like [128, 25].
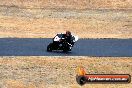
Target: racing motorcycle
[60, 43]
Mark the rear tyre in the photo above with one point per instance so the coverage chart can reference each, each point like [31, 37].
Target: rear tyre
[65, 49]
[49, 47]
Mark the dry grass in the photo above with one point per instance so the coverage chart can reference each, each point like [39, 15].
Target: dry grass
[69, 4]
[58, 72]
[40, 23]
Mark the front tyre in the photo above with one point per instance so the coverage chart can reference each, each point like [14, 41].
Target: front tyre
[49, 47]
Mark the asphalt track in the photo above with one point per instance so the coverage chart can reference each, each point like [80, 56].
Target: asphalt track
[83, 47]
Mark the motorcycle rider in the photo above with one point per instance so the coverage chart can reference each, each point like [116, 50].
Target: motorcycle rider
[68, 37]
[62, 41]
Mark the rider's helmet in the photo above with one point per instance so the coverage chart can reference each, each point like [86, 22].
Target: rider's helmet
[68, 33]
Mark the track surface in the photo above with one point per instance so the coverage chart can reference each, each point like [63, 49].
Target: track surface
[84, 47]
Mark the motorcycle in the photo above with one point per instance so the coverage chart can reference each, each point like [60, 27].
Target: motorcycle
[60, 43]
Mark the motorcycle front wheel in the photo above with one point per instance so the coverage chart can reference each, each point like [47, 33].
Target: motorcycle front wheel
[49, 47]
